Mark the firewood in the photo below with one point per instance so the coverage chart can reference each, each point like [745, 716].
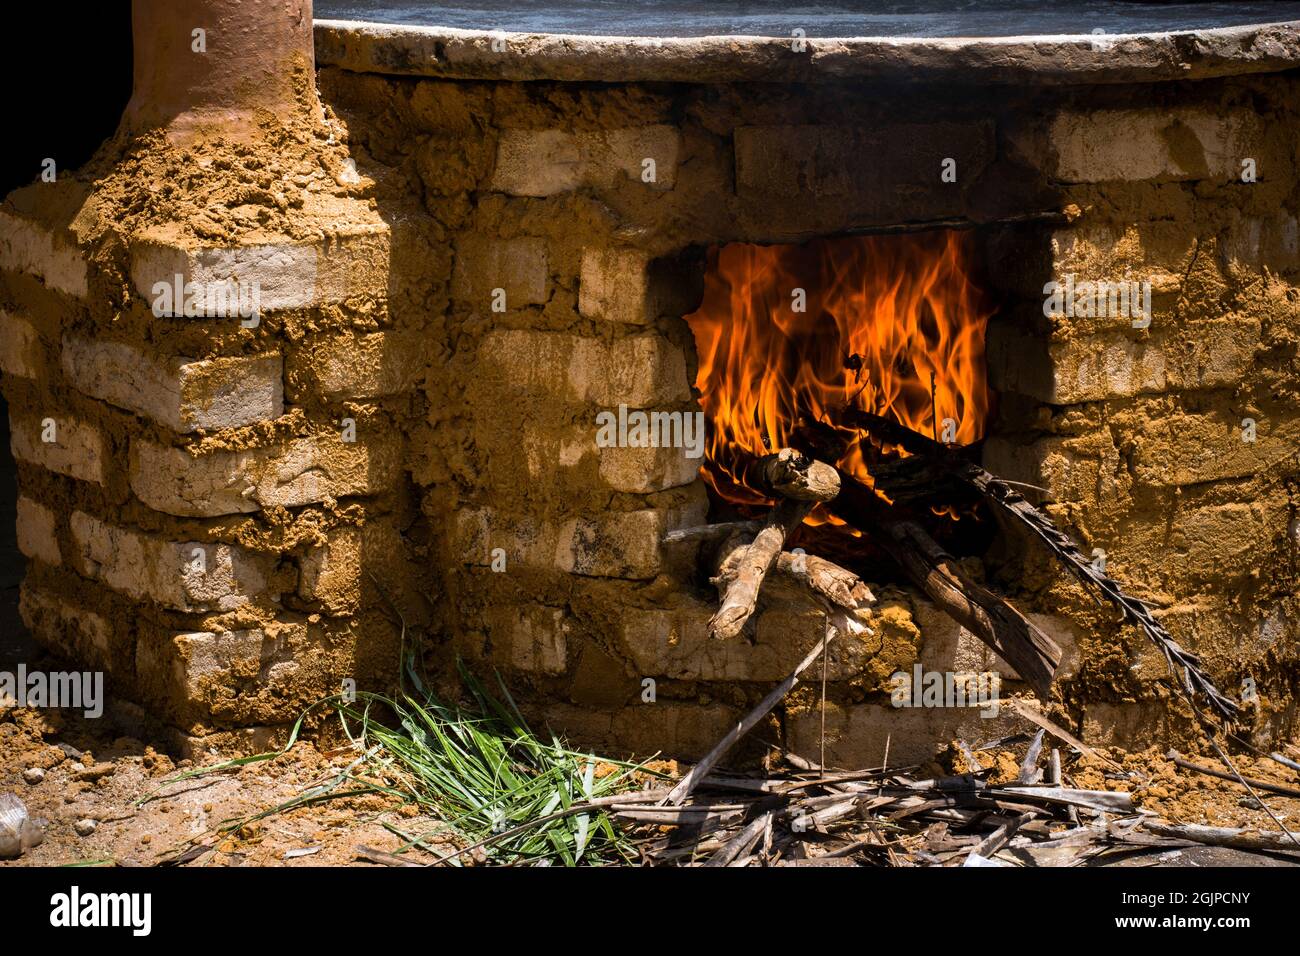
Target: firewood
[1221, 836]
[800, 483]
[798, 576]
[1264, 785]
[1008, 501]
[791, 474]
[740, 591]
[836, 584]
[711, 533]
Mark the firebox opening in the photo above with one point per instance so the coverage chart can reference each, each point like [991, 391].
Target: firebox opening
[793, 340]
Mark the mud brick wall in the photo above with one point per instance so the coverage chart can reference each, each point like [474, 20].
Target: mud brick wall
[1171, 448]
[196, 513]
[539, 189]
[481, 265]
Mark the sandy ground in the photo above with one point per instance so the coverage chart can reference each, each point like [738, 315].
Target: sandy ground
[119, 787]
[65, 772]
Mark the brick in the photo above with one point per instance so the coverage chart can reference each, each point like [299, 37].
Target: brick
[526, 540]
[1089, 368]
[638, 371]
[28, 246]
[171, 573]
[75, 631]
[859, 166]
[619, 544]
[542, 163]
[518, 266]
[1223, 543]
[37, 535]
[297, 472]
[567, 457]
[530, 638]
[1087, 469]
[645, 470]
[181, 394]
[1257, 242]
[78, 451]
[1160, 252]
[949, 647]
[349, 261]
[537, 162]
[199, 674]
[20, 347]
[644, 370]
[1097, 146]
[363, 366]
[627, 150]
[331, 572]
[675, 643]
[1187, 449]
[614, 286]
[856, 736]
[563, 367]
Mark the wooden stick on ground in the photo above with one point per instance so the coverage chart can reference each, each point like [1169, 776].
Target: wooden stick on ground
[1221, 836]
[1264, 785]
[800, 483]
[1032, 715]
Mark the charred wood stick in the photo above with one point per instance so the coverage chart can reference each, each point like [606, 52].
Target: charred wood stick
[744, 841]
[793, 475]
[1060, 733]
[1109, 801]
[998, 838]
[380, 856]
[836, 584]
[1015, 638]
[800, 483]
[712, 533]
[1186, 665]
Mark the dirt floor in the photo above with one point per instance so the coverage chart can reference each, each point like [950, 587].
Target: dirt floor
[108, 802]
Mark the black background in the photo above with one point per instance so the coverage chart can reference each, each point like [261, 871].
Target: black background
[66, 78]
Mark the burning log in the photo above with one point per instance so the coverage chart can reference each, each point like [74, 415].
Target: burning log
[1015, 638]
[1033, 654]
[790, 474]
[1007, 500]
[799, 483]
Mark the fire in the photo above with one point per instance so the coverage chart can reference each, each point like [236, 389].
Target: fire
[885, 319]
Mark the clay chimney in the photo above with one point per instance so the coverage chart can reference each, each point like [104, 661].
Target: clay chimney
[203, 66]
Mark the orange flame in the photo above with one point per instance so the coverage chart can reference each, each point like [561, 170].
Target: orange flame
[905, 306]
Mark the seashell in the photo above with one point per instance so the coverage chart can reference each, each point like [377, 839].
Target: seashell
[18, 831]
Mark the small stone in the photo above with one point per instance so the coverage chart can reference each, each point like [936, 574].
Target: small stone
[96, 772]
[33, 775]
[85, 827]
